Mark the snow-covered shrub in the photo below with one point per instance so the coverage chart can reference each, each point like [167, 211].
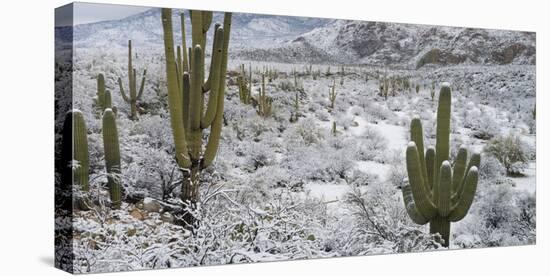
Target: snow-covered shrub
[304, 133]
[258, 155]
[490, 168]
[381, 222]
[371, 145]
[510, 151]
[361, 178]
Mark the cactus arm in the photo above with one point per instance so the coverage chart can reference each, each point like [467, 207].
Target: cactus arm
[214, 77]
[213, 72]
[184, 44]
[101, 90]
[124, 96]
[459, 169]
[474, 162]
[108, 102]
[179, 79]
[178, 58]
[185, 100]
[417, 136]
[410, 206]
[443, 129]
[174, 103]
[460, 210]
[215, 131]
[430, 166]
[112, 156]
[444, 189]
[420, 194]
[140, 93]
[130, 66]
[195, 109]
[196, 32]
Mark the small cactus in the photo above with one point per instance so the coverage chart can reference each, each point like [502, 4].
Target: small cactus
[134, 94]
[332, 94]
[112, 156]
[438, 193]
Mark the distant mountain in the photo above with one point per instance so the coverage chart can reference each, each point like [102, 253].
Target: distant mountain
[316, 40]
[407, 45]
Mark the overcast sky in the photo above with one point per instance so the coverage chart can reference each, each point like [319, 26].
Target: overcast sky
[91, 12]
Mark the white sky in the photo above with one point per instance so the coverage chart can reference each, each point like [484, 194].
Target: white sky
[93, 12]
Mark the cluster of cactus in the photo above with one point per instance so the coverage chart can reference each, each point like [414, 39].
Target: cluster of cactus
[438, 193]
[308, 70]
[264, 102]
[133, 93]
[104, 99]
[112, 156]
[245, 85]
[189, 115]
[75, 147]
[332, 94]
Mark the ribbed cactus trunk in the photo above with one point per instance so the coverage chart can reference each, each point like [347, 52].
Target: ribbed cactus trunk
[75, 134]
[112, 157]
[100, 91]
[190, 113]
[133, 93]
[438, 193]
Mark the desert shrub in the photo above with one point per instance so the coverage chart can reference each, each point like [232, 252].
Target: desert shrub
[510, 151]
[361, 178]
[371, 145]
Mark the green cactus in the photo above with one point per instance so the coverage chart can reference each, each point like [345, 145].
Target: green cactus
[264, 102]
[333, 130]
[76, 144]
[342, 74]
[438, 193]
[245, 86]
[417, 88]
[295, 114]
[332, 94]
[112, 156]
[100, 101]
[189, 112]
[134, 94]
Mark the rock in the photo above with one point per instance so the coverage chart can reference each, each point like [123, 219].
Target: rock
[151, 205]
[137, 214]
[167, 217]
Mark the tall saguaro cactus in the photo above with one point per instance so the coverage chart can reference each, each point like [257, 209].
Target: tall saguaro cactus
[245, 86]
[438, 193]
[332, 94]
[112, 156]
[134, 94]
[75, 138]
[189, 112]
[264, 101]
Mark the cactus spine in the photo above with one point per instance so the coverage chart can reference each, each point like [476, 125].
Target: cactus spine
[134, 94]
[188, 114]
[112, 156]
[264, 101]
[76, 144]
[438, 193]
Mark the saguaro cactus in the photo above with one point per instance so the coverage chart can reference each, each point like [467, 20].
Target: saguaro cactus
[332, 94]
[245, 86]
[438, 193]
[134, 94]
[100, 101]
[76, 149]
[264, 101]
[188, 114]
[112, 156]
